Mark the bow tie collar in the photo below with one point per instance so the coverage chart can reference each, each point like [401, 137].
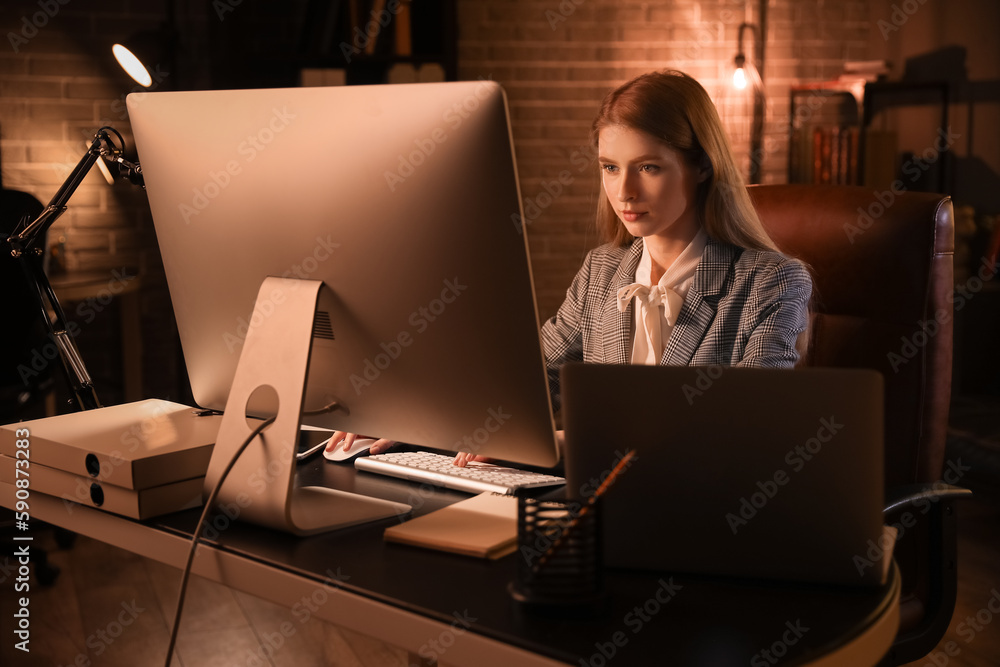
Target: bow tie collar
[650, 299]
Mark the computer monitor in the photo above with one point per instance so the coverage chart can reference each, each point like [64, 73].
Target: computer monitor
[403, 201]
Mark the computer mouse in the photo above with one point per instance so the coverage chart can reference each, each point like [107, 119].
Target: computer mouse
[359, 446]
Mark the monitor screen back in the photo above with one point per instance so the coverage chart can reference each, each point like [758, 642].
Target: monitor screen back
[404, 201]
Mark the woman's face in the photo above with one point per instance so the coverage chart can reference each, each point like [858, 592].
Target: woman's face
[650, 185]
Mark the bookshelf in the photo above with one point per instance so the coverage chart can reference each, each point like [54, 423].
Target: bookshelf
[842, 133]
[923, 161]
[392, 41]
[324, 42]
[825, 143]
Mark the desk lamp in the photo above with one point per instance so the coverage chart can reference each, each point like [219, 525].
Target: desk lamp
[27, 240]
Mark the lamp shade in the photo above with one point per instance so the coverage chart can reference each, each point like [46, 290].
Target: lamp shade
[132, 65]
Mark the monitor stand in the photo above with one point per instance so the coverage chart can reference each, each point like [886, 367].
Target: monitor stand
[275, 360]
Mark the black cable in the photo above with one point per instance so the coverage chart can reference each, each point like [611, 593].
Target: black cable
[197, 535]
[204, 514]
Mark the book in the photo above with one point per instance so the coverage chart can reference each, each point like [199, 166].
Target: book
[378, 10]
[404, 38]
[483, 526]
[134, 503]
[134, 446]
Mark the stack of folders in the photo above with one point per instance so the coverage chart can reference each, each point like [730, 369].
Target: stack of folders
[139, 460]
[483, 526]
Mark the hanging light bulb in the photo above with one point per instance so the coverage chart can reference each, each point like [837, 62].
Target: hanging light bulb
[739, 74]
[741, 105]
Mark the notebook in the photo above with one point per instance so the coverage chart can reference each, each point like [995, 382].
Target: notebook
[760, 473]
[483, 526]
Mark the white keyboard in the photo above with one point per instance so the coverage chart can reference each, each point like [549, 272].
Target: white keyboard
[439, 470]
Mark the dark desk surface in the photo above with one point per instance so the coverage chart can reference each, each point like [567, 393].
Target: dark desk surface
[707, 621]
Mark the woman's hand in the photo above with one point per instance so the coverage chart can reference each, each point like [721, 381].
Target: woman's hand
[344, 440]
[463, 459]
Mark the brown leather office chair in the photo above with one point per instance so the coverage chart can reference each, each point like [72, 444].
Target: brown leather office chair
[883, 270]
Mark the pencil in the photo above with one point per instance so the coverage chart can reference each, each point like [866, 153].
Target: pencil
[591, 501]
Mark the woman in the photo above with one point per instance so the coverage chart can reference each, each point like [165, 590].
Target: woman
[687, 275]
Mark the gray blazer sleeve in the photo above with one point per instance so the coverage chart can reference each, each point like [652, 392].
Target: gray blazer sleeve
[562, 334]
[780, 312]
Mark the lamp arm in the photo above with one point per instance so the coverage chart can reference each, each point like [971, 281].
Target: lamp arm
[74, 370]
[24, 245]
[23, 240]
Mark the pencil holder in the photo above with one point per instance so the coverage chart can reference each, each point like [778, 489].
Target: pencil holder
[559, 565]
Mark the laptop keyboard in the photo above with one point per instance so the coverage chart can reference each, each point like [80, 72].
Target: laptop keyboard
[439, 470]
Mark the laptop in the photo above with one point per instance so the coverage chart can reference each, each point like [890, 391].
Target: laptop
[744, 472]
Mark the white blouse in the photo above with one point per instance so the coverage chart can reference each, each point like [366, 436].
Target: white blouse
[657, 306]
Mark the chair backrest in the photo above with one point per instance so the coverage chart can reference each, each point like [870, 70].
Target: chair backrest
[884, 281]
[23, 337]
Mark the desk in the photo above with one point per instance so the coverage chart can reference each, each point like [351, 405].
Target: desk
[410, 597]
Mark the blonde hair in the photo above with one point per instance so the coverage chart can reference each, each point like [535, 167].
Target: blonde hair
[674, 108]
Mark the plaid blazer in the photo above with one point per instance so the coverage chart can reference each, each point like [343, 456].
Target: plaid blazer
[744, 308]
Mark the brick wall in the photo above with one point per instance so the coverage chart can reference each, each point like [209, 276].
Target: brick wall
[58, 84]
[557, 60]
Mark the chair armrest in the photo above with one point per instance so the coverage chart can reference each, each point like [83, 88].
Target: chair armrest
[940, 548]
[912, 494]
